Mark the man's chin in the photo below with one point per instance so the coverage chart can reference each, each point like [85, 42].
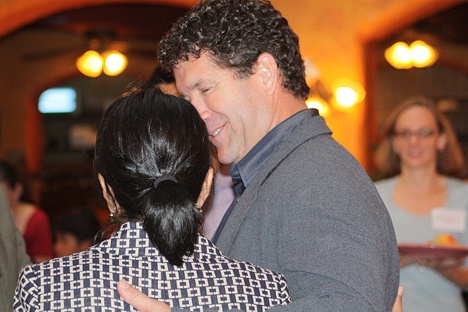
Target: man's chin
[225, 159]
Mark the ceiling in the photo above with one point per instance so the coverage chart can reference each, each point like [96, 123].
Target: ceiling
[152, 21]
[144, 21]
[450, 25]
[134, 28]
[447, 31]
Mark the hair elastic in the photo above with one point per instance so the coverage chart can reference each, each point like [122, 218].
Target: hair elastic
[162, 178]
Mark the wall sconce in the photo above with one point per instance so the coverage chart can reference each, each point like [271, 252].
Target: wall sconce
[320, 104]
[319, 97]
[115, 62]
[417, 54]
[344, 96]
[92, 64]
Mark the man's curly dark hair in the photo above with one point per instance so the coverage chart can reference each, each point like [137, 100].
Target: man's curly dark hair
[235, 33]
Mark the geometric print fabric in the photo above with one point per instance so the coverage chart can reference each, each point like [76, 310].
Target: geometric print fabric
[87, 281]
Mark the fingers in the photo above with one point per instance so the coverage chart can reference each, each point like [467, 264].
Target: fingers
[139, 300]
[398, 306]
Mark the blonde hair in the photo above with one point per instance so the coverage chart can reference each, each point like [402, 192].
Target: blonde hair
[449, 160]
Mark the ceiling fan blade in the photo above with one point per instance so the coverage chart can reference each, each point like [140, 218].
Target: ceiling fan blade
[41, 55]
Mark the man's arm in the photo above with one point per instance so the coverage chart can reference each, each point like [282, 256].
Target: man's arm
[143, 303]
[139, 300]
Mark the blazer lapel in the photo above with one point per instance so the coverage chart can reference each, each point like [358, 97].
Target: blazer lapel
[301, 134]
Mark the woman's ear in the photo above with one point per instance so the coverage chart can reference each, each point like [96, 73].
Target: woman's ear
[206, 187]
[441, 142]
[107, 193]
[393, 145]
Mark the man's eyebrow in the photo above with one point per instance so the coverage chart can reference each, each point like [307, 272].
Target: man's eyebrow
[196, 84]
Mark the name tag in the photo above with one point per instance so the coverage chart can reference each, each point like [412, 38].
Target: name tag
[449, 220]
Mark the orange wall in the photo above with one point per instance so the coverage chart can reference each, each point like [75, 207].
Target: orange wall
[333, 35]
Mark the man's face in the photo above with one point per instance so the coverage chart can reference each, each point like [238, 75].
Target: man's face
[233, 109]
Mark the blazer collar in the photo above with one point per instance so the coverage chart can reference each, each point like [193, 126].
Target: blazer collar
[308, 129]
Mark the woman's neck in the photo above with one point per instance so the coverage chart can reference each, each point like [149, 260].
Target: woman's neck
[419, 192]
[421, 180]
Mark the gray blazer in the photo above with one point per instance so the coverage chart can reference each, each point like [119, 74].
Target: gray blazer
[12, 254]
[313, 214]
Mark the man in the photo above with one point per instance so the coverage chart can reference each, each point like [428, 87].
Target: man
[223, 191]
[304, 206]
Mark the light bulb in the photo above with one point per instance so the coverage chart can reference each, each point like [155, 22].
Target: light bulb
[319, 104]
[346, 94]
[423, 55]
[399, 55]
[90, 64]
[114, 63]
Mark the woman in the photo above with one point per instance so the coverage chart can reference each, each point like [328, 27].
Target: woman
[32, 222]
[419, 149]
[153, 164]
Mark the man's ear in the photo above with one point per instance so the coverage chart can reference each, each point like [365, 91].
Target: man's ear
[268, 70]
[206, 187]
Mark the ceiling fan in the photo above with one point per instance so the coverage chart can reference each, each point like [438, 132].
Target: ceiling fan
[100, 41]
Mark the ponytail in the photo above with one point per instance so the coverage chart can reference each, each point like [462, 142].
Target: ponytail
[154, 152]
[171, 220]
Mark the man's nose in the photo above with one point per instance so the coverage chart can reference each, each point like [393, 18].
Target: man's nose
[201, 107]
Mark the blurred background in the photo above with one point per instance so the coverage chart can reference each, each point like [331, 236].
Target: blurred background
[343, 42]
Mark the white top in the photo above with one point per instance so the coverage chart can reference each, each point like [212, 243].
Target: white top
[425, 289]
[223, 196]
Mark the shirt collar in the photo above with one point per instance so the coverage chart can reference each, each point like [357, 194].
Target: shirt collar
[133, 241]
[245, 170]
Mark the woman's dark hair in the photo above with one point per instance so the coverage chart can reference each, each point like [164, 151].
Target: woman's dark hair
[143, 136]
[235, 33]
[9, 174]
[160, 77]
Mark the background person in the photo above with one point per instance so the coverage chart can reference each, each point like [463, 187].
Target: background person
[420, 151]
[304, 206]
[221, 198]
[32, 222]
[74, 231]
[12, 254]
[155, 190]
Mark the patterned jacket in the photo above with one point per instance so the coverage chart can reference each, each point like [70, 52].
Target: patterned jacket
[87, 281]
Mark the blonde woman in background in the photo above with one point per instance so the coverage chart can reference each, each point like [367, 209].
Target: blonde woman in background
[420, 152]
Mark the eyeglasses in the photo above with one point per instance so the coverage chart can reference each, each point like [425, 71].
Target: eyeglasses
[407, 134]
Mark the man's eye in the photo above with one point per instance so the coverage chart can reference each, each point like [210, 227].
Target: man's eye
[206, 90]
